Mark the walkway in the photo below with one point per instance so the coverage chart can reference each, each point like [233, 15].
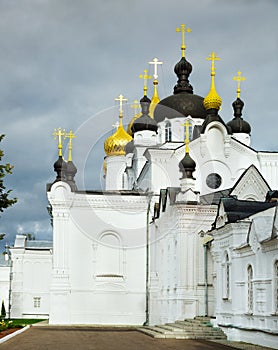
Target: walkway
[88, 338]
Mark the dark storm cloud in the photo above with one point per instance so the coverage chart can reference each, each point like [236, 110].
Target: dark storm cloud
[63, 62]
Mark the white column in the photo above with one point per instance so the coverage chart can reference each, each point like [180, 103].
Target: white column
[115, 170]
[60, 198]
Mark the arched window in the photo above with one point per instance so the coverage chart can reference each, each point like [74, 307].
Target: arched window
[275, 283]
[168, 132]
[250, 291]
[109, 256]
[226, 268]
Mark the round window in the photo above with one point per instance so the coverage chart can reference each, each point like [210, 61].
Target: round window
[213, 180]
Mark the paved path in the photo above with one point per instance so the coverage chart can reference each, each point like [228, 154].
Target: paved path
[84, 338]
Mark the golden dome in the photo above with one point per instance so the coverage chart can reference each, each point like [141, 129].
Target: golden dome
[115, 144]
[212, 100]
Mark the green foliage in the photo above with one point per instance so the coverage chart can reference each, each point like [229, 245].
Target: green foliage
[5, 169]
[3, 325]
[17, 323]
[29, 236]
[3, 310]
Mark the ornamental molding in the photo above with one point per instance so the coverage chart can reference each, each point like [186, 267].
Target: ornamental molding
[184, 209]
[268, 157]
[110, 202]
[235, 145]
[269, 246]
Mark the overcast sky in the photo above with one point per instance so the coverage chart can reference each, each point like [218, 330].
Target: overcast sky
[62, 63]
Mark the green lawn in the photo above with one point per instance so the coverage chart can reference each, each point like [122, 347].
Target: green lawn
[15, 323]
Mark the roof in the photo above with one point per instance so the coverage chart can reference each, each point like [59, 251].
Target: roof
[38, 244]
[214, 197]
[240, 209]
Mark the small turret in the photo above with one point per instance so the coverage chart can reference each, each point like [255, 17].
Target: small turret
[240, 128]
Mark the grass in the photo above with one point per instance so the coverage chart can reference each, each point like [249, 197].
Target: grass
[17, 323]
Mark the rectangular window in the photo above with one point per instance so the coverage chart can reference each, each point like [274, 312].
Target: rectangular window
[37, 302]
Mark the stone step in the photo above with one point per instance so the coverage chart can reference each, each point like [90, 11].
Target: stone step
[199, 328]
[171, 327]
[150, 332]
[194, 329]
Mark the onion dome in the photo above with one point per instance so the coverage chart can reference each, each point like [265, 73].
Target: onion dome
[187, 166]
[237, 124]
[70, 174]
[212, 100]
[183, 102]
[145, 122]
[115, 144]
[129, 148]
[60, 167]
[129, 127]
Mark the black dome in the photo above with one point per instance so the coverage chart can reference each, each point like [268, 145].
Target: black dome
[145, 122]
[60, 167]
[187, 166]
[183, 103]
[180, 105]
[238, 124]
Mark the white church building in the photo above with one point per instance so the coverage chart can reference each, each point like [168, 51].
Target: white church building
[186, 226]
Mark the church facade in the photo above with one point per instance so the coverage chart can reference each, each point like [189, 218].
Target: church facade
[186, 223]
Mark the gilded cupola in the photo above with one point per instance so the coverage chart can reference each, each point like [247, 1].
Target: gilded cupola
[212, 100]
[115, 144]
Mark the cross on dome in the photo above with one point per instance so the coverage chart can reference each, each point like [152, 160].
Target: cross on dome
[59, 134]
[183, 29]
[155, 62]
[145, 76]
[70, 135]
[239, 79]
[135, 106]
[212, 57]
[121, 99]
[186, 141]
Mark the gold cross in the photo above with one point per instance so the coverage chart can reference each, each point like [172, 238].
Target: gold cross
[70, 135]
[59, 133]
[121, 99]
[145, 76]
[155, 62]
[183, 29]
[135, 106]
[212, 57]
[238, 78]
[186, 141]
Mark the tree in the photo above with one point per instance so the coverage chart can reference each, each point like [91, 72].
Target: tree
[5, 169]
[3, 311]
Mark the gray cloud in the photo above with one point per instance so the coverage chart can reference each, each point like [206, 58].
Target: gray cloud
[63, 62]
